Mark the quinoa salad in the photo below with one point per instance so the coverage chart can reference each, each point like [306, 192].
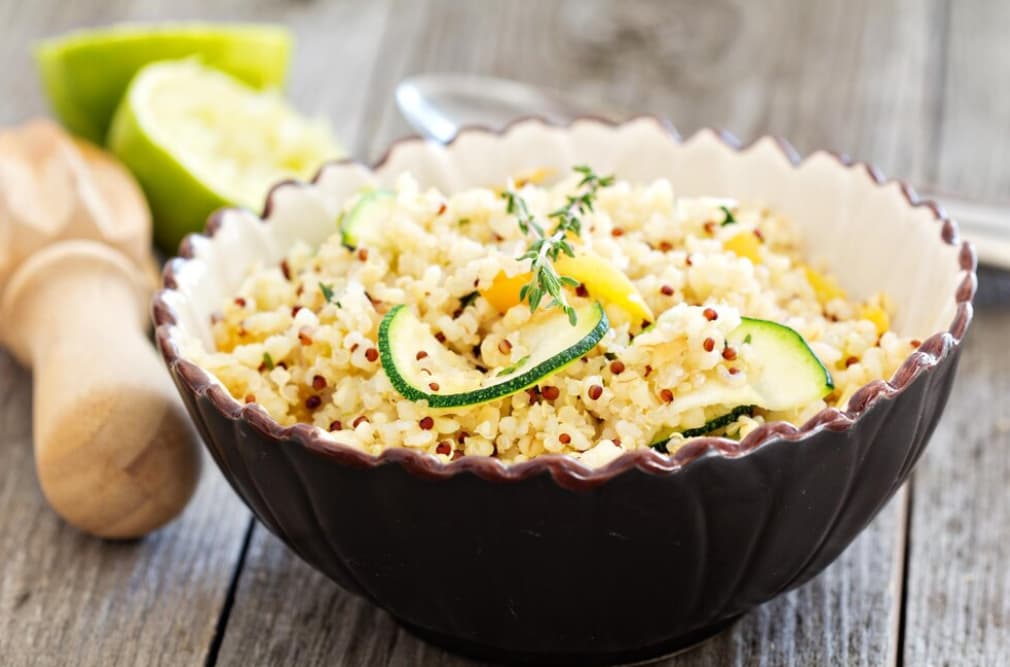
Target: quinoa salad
[560, 313]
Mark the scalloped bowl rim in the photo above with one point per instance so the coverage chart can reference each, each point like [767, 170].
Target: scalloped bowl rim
[565, 470]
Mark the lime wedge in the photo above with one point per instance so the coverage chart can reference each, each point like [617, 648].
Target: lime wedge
[85, 73]
[198, 139]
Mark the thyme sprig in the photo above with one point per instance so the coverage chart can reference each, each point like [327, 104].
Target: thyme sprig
[545, 248]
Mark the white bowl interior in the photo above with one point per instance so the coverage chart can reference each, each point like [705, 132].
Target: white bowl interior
[867, 234]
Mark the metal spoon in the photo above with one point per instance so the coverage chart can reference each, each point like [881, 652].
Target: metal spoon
[438, 105]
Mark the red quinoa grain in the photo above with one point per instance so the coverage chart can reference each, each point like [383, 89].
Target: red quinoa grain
[427, 423]
[313, 402]
[363, 254]
[420, 355]
[433, 386]
[336, 425]
[708, 344]
[595, 391]
[358, 420]
[444, 448]
[550, 392]
[371, 354]
[666, 395]
[564, 438]
[710, 314]
[666, 290]
[729, 354]
[318, 382]
[617, 367]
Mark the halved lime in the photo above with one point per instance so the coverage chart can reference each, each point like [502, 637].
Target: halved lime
[198, 139]
[85, 73]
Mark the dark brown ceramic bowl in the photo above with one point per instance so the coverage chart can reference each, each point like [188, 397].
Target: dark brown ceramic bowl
[548, 562]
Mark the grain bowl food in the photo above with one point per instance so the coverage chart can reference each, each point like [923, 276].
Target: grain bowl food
[661, 318]
[646, 555]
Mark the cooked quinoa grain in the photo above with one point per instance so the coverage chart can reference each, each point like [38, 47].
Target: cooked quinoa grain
[316, 315]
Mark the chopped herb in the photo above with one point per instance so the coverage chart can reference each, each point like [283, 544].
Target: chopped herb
[729, 217]
[610, 356]
[514, 367]
[746, 338]
[462, 222]
[327, 290]
[339, 305]
[268, 361]
[545, 249]
[467, 299]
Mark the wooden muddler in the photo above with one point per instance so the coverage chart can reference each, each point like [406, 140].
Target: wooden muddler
[115, 451]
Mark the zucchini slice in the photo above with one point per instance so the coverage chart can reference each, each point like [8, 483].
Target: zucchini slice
[719, 422]
[363, 224]
[785, 372]
[447, 380]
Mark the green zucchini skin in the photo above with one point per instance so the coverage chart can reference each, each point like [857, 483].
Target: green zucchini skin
[719, 422]
[516, 383]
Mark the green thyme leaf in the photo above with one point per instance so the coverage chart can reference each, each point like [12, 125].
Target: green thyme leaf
[544, 249]
[729, 217]
[514, 367]
[327, 290]
[268, 361]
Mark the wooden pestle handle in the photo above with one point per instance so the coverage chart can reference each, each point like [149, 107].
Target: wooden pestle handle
[115, 451]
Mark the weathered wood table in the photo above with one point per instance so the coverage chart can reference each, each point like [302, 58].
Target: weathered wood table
[917, 86]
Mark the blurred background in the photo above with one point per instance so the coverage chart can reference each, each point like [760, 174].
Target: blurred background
[913, 85]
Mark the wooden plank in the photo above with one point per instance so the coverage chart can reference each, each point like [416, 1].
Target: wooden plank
[974, 138]
[879, 104]
[958, 608]
[958, 589]
[69, 598]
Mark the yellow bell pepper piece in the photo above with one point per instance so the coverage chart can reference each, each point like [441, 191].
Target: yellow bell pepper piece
[877, 315]
[601, 279]
[826, 288]
[745, 244]
[606, 283]
[504, 291]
